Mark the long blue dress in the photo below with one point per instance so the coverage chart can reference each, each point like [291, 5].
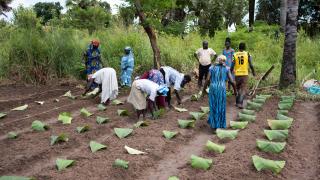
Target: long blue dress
[127, 65]
[217, 96]
[93, 62]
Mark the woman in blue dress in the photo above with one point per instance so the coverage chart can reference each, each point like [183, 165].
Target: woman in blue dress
[93, 61]
[127, 65]
[218, 76]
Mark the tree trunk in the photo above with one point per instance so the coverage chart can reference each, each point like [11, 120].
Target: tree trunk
[283, 14]
[251, 14]
[151, 34]
[288, 69]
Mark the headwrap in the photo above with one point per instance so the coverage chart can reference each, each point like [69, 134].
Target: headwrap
[221, 59]
[163, 90]
[95, 43]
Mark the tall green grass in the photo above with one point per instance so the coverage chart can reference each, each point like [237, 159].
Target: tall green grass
[35, 55]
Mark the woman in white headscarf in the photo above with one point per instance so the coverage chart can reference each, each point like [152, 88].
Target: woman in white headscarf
[106, 78]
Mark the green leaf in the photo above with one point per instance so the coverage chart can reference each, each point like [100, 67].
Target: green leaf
[82, 129]
[285, 106]
[268, 146]
[196, 115]
[69, 95]
[15, 178]
[186, 123]
[39, 126]
[85, 112]
[254, 106]
[279, 124]
[200, 163]
[60, 138]
[261, 163]
[205, 110]
[123, 112]
[248, 112]
[180, 109]
[63, 163]
[95, 146]
[279, 135]
[173, 178]
[20, 108]
[283, 112]
[102, 120]
[230, 134]
[159, 113]
[259, 100]
[101, 107]
[140, 124]
[116, 102]
[65, 117]
[287, 97]
[2, 115]
[196, 97]
[12, 135]
[283, 117]
[238, 125]
[266, 96]
[287, 101]
[215, 147]
[246, 117]
[169, 134]
[122, 132]
[121, 163]
[133, 151]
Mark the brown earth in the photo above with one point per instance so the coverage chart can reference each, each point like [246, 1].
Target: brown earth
[31, 154]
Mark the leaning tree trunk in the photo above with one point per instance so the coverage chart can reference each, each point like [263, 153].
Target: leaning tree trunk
[151, 34]
[283, 14]
[288, 69]
[251, 14]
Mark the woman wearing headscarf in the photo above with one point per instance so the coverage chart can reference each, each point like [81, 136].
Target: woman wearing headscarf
[92, 58]
[218, 76]
[127, 65]
[106, 78]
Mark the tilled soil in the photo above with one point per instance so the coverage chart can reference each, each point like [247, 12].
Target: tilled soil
[31, 154]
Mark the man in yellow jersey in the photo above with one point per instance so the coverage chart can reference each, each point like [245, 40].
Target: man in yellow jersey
[240, 66]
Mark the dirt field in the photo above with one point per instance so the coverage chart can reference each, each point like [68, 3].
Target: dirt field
[31, 154]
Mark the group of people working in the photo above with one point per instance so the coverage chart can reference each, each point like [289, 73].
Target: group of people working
[152, 90]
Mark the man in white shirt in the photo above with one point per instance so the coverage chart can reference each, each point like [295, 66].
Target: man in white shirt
[204, 55]
[176, 79]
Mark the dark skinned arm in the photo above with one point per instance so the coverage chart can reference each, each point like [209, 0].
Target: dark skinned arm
[100, 90]
[251, 66]
[89, 83]
[232, 83]
[178, 97]
[151, 105]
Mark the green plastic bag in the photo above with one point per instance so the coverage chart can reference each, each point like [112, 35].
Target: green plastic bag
[200, 163]
[268, 146]
[246, 117]
[248, 112]
[122, 132]
[121, 163]
[277, 135]
[254, 106]
[63, 163]
[102, 120]
[279, 124]
[227, 134]
[283, 117]
[238, 124]
[261, 163]
[169, 134]
[186, 123]
[285, 106]
[95, 146]
[215, 147]
[39, 126]
[283, 112]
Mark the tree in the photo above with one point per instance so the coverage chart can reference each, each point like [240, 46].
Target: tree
[283, 14]
[269, 11]
[252, 4]
[4, 6]
[288, 69]
[309, 16]
[47, 10]
[127, 15]
[25, 18]
[234, 11]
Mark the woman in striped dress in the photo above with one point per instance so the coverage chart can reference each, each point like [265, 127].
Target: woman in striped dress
[218, 76]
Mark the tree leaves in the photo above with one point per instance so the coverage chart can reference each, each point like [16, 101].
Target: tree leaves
[121, 163]
[12, 135]
[95, 146]
[200, 163]
[196, 115]
[2, 115]
[261, 163]
[186, 123]
[140, 124]
[69, 95]
[133, 151]
[65, 117]
[20, 108]
[180, 109]
[117, 102]
[238, 125]
[122, 112]
[169, 134]
[227, 134]
[85, 112]
[122, 132]
[60, 138]
[63, 163]
[280, 135]
[215, 147]
[39, 126]
[279, 124]
[102, 120]
[82, 129]
[268, 146]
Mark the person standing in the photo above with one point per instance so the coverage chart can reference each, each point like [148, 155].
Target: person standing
[240, 65]
[218, 75]
[127, 65]
[204, 55]
[228, 52]
[92, 58]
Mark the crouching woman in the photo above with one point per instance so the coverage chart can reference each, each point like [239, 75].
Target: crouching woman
[143, 94]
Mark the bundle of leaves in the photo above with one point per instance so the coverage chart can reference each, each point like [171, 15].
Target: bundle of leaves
[196, 115]
[215, 147]
[278, 135]
[254, 106]
[63, 163]
[279, 124]
[180, 109]
[102, 120]
[268, 146]
[285, 105]
[196, 97]
[2, 115]
[261, 163]
[20, 108]
[39, 126]
[205, 110]
[82, 129]
[140, 124]
[60, 138]
[248, 112]
[84, 112]
[95, 146]
[246, 117]
[12, 135]
[121, 163]
[283, 112]
[69, 95]
[117, 102]
[283, 117]
[227, 134]
[122, 112]
[15, 178]
[259, 100]
[65, 117]
[238, 125]
[169, 134]
[159, 113]
[101, 107]
[186, 123]
[123, 132]
[200, 163]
